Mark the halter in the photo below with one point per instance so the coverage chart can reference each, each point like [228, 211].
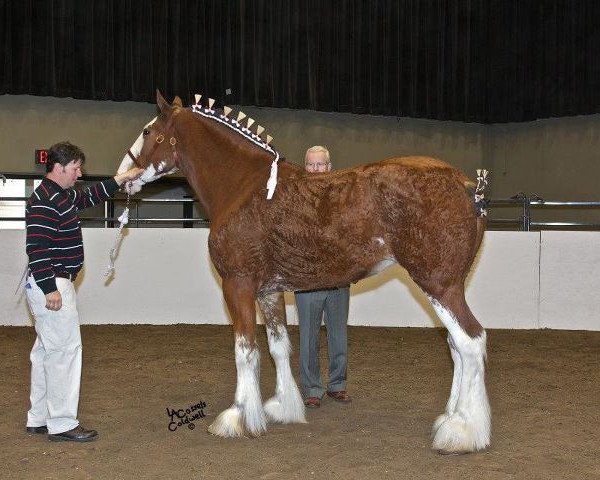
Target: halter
[133, 158]
[160, 138]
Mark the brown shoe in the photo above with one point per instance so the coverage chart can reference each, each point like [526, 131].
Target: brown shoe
[341, 396]
[312, 402]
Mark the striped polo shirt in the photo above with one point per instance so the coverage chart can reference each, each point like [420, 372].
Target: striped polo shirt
[54, 242]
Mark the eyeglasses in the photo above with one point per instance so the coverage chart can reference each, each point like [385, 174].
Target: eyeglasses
[316, 166]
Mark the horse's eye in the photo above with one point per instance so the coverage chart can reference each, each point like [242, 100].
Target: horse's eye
[146, 132]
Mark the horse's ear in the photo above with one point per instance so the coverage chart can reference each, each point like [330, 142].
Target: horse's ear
[163, 105]
[177, 102]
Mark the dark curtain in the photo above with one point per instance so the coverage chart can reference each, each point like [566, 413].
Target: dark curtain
[465, 60]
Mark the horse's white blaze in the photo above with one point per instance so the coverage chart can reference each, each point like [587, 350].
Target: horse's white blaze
[466, 425]
[247, 411]
[127, 162]
[286, 405]
[135, 149]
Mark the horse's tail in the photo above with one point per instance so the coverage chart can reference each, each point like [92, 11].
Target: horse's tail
[479, 202]
[477, 190]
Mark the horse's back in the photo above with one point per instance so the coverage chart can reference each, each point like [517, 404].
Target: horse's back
[330, 229]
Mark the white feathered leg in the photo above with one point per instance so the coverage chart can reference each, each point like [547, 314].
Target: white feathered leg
[466, 425]
[246, 415]
[286, 405]
[456, 379]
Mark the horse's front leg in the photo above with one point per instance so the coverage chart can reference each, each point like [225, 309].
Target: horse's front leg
[246, 415]
[286, 405]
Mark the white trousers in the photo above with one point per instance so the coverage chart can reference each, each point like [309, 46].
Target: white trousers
[55, 359]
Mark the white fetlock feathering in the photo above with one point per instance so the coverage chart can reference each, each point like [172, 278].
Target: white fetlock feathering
[246, 415]
[465, 426]
[228, 424]
[286, 406]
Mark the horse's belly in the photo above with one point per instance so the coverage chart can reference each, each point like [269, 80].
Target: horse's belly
[381, 266]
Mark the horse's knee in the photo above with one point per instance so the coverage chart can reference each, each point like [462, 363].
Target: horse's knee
[279, 342]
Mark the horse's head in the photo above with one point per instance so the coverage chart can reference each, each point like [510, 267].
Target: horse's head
[154, 150]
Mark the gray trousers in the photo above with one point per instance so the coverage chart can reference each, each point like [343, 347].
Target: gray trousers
[311, 306]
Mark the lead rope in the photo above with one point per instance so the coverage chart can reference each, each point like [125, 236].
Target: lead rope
[123, 220]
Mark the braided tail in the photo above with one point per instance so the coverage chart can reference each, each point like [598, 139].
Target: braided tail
[480, 201]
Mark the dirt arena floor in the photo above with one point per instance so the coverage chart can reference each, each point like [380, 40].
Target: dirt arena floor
[544, 390]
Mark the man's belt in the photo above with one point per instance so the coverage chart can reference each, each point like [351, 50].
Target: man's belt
[70, 276]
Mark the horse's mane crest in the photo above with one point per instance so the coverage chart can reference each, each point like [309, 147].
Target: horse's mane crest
[234, 124]
[237, 127]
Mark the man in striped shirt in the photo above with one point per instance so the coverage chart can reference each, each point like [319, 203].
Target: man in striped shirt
[55, 250]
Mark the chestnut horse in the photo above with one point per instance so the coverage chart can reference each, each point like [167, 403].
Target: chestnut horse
[320, 231]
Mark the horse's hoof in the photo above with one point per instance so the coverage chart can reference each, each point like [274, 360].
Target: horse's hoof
[278, 414]
[456, 436]
[228, 424]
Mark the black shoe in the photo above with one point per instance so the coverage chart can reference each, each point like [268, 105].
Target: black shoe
[78, 434]
[42, 429]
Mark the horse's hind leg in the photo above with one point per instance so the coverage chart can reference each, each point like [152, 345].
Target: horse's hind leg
[286, 405]
[465, 425]
[246, 415]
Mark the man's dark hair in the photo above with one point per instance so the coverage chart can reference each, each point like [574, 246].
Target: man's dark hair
[63, 153]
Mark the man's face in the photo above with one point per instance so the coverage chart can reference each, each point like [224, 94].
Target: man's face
[68, 174]
[316, 162]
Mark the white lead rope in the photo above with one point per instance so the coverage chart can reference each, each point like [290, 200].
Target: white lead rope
[112, 254]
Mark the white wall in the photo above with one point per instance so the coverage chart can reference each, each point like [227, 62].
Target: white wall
[164, 276]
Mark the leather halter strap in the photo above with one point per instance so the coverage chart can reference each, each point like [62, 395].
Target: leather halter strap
[160, 138]
[133, 158]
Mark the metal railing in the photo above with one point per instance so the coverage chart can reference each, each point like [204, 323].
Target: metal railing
[522, 220]
[529, 204]
[111, 218]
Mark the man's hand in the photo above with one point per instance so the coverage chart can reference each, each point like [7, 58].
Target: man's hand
[54, 300]
[129, 175]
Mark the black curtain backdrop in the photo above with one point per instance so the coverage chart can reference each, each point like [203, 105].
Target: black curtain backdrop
[485, 61]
